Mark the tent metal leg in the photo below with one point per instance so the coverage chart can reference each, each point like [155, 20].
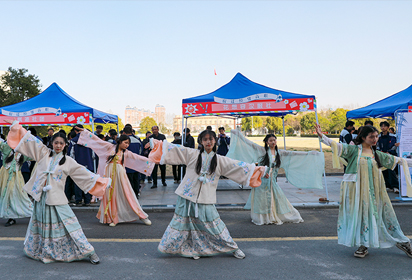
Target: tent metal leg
[320, 145]
[284, 136]
[94, 155]
[183, 140]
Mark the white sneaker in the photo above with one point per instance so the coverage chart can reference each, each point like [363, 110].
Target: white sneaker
[112, 225]
[146, 221]
[239, 254]
[196, 257]
[395, 190]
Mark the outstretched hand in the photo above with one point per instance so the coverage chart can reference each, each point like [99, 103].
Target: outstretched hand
[318, 130]
[147, 146]
[8, 121]
[78, 128]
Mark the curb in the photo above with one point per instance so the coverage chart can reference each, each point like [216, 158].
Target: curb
[239, 207]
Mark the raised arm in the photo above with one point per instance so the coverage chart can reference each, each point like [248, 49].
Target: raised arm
[167, 153]
[241, 172]
[4, 148]
[88, 181]
[243, 149]
[102, 148]
[23, 142]
[303, 169]
[138, 163]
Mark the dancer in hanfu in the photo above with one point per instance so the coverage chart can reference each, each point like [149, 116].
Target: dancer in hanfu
[54, 233]
[14, 202]
[119, 203]
[366, 216]
[267, 202]
[196, 229]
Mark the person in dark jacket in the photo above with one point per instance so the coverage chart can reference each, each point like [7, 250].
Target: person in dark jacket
[387, 144]
[135, 147]
[47, 139]
[189, 142]
[83, 156]
[345, 135]
[158, 136]
[223, 142]
[145, 153]
[177, 169]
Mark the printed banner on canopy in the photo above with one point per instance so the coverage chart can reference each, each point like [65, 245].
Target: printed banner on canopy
[404, 137]
[263, 102]
[42, 118]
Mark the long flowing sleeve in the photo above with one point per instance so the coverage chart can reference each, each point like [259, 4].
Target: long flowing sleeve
[389, 161]
[340, 150]
[103, 149]
[164, 152]
[303, 169]
[243, 149]
[138, 163]
[4, 148]
[23, 142]
[88, 181]
[241, 172]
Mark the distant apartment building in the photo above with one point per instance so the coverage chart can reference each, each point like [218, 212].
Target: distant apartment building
[160, 112]
[135, 115]
[198, 124]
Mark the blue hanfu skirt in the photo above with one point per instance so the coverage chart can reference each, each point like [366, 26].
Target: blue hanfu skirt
[189, 235]
[54, 234]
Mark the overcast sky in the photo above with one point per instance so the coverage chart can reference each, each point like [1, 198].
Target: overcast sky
[110, 54]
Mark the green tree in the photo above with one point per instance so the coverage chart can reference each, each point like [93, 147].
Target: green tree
[289, 130]
[293, 121]
[163, 129]
[17, 85]
[247, 123]
[308, 122]
[337, 120]
[273, 124]
[146, 124]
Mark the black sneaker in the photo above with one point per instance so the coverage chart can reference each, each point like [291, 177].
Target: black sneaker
[94, 259]
[154, 186]
[164, 184]
[10, 222]
[86, 204]
[406, 247]
[362, 252]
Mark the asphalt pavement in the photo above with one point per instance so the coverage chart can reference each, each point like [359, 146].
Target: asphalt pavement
[307, 250]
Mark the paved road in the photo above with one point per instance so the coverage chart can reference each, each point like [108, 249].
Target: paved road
[290, 251]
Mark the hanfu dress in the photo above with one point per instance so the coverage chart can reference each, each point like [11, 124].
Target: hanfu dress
[268, 203]
[366, 216]
[54, 233]
[196, 229]
[119, 203]
[14, 202]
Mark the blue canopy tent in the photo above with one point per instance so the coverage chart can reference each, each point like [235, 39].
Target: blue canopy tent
[385, 107]
[242, 97]
[54, 107]
[241, 90]
[399, 102]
